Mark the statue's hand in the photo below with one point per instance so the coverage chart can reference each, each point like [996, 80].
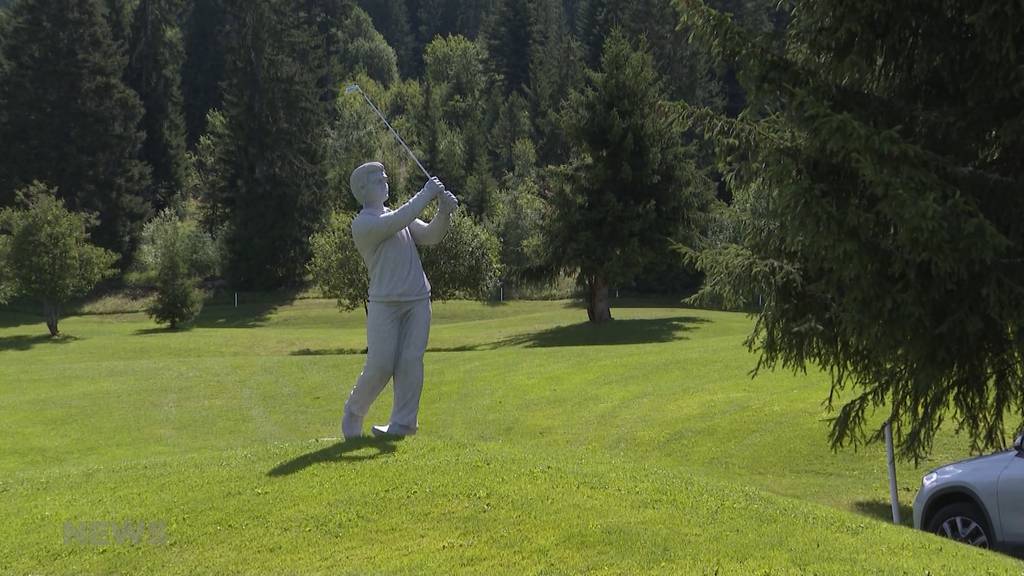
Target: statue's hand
[433, 187]
[448, 202]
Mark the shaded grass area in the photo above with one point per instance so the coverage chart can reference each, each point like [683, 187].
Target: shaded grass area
[25, 342]
[621, 332]
[547, 446]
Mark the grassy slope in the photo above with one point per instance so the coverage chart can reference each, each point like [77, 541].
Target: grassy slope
[547, 446]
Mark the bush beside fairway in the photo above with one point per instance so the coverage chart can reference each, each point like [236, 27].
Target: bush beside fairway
[546, 446]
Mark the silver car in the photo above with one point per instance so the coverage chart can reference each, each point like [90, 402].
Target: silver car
[978, 501]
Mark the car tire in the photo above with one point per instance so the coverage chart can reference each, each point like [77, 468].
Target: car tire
[963, 522]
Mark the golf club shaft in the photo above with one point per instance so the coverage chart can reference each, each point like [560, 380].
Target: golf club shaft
[355, 87]
[394, 133]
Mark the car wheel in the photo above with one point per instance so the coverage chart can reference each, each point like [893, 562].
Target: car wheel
[962, 522]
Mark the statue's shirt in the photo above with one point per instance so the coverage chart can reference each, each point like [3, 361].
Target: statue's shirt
[389, 251]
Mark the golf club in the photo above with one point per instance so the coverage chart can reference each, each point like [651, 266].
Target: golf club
[355, 88]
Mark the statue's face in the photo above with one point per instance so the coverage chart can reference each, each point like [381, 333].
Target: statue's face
[377, 187]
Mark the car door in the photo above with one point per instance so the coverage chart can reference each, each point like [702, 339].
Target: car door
[1011, 502]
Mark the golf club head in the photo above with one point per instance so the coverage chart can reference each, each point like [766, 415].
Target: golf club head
[352, 88]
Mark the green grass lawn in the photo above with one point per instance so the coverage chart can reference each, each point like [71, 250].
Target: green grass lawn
[546, 446]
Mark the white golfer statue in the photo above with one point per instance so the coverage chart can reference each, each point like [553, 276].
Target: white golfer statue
[398, 309]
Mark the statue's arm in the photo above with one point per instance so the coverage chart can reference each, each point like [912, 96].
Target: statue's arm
[390, 223]
[430, 234]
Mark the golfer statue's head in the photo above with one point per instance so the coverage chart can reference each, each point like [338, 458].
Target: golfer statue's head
[369, 184]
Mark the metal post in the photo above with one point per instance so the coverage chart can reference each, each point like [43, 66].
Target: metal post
[890, 456]
[236, 299]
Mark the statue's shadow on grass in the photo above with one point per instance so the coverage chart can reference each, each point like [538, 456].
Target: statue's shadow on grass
[345, 451]
[882, 510]
[616, 332]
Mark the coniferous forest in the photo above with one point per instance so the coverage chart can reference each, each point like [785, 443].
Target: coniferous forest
[130, 107]
[850, 172]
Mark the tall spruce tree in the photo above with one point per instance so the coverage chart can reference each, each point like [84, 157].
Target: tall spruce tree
[630, 188]
[155, 59]
[365, 51]
[70, 121]
[880, 167]
[455, 86]
[556, 67]
[391, 18]
[273, 160]
[119, 17]
[325, 19]
[508, 43]
[203, 69]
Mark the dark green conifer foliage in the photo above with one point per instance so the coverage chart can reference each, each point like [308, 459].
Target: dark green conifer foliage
[155, 58]
[508, 43]
[391, 19]
[630, 188]
[325, 20]
[70, 121]
[203, 69]
[273, 160]
[556, 67]
[879, 170]
[119, 17]
[364, 51]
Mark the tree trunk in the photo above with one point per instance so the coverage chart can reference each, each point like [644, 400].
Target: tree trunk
[52, 313]
[598, 305]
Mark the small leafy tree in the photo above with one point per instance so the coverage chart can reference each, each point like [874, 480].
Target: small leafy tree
[465, 264]
[175, 255]
[6, 277]
[48, 254]
[336, 266]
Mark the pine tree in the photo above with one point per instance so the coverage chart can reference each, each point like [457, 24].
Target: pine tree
[119, 17]
[471, 15]
[630, 188]
[508, 43]
[391, 18]
[879, 173]
[457, 133]
[154, 72]
[365, 51]
[590, 29]
[556, 67]
[203, 69]
[273, 161]
[70, 120]
[326, 20]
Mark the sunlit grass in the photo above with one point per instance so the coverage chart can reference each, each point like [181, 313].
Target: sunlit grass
[547, 446]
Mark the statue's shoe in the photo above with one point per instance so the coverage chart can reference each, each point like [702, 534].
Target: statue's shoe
[351, 426]
[393, 430]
